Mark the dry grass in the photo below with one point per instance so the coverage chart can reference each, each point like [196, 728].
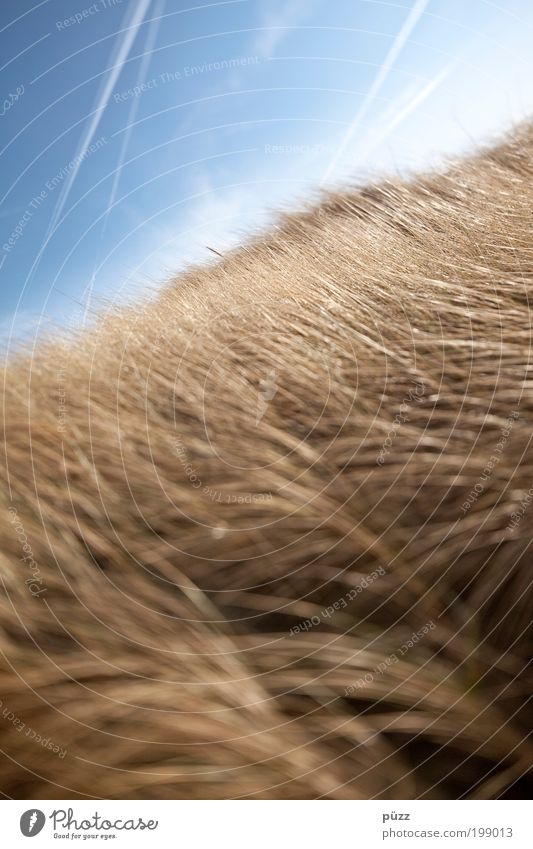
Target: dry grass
[197, 477]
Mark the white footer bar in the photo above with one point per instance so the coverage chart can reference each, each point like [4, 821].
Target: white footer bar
[269, 824]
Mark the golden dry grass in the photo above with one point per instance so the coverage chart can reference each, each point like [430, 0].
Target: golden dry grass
[241, 500]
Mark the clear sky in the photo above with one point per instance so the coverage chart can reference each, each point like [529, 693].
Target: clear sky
[137, 134]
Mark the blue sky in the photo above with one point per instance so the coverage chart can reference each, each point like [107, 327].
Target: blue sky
[137, 135]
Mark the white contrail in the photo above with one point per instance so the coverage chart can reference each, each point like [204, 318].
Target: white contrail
[398, 44]
[124, 48]
[410, 107]
[141, 77]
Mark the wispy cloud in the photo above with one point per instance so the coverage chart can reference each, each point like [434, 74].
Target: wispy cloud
[213, 220]
[399, 42]
[276, 25]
